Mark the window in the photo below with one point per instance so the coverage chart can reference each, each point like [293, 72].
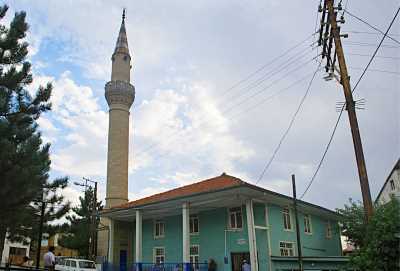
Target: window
[287, 224]
[73, 263]
[235, 218]
[392, 186]
[17, 251]
[194, 257]
[159, 255]
[67, 262]
[307, 224]
[194, 224]
[328, 229]
[87, 264]
[286, 248]
[159, 229]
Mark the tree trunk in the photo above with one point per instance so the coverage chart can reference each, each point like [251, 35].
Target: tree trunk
[3, 233]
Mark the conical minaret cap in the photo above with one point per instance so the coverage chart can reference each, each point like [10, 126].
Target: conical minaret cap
[122, 41]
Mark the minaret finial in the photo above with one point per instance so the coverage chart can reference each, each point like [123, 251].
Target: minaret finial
[123, 15]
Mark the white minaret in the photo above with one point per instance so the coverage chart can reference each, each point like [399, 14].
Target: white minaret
[120, 95]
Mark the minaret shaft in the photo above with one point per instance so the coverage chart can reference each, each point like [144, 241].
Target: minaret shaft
[120, 95]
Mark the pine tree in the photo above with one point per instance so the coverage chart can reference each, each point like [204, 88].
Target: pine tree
[24, 159]
[77, 232]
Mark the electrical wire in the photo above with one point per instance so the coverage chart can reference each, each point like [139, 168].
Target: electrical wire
[388, 57]
[259, 103]
[376, 70]
[366, 44]
[270, 74]
[341, 111]
[290, 125]
[371, 26]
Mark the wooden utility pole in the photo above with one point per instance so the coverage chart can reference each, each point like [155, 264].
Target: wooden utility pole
[299, 253]
[350, 104]
[40, 233]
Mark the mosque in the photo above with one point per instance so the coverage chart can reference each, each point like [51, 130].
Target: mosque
[215, 224]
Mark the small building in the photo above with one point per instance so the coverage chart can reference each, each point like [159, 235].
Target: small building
[391, 187]
[14, 252]
[224, 219]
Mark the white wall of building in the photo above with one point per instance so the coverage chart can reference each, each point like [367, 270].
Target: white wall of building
[6, 250]
[391, 187]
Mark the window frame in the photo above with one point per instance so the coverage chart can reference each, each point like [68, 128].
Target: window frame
[289, 215]
[155, 255]
[392, 185]
[308, 216]
[162, 222]
[285, 248]
[193, 218]
[230, 212]
[328, 230]
[195, 265]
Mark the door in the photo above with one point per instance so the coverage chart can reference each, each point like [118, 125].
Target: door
[123, 260]
[237, 259]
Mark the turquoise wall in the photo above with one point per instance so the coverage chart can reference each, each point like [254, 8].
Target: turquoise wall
[213, 233]
[315, 244]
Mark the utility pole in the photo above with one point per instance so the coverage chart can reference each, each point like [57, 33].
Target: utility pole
[299, 253]
[326, 41]
[93, 218]
[39, 240]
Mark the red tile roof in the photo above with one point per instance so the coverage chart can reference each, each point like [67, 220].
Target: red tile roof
[209, 185]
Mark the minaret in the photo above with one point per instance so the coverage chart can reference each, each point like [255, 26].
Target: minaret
[120, 95]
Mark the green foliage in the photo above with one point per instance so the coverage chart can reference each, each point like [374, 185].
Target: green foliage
[77, 233]
[378, 243]
[24, 159]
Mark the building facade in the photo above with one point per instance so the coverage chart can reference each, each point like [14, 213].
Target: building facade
[223, 220]
[226, 220]
[391, 187]
[14, 252]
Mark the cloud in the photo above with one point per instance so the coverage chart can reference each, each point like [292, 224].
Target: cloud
[182, 66]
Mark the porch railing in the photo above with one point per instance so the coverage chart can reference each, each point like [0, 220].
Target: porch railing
[156, 267]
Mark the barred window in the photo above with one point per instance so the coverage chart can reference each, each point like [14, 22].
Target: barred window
[286, 248]
[159, 255]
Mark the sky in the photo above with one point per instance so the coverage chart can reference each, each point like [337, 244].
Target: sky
[191, 119]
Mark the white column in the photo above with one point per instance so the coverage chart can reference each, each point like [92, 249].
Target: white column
[111, 242]
[185, 233]
[252, 235]
[268, 235]
[138, 237]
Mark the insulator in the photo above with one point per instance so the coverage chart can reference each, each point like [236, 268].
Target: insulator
[319, 8]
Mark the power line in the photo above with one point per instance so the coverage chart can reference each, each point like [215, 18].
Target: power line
[376, 70]
[341, 111]
[252, 107]
[252, 86]
[302, 65]
[290, 125]
[367, 33]
[388, 57]
[371, 26]
[366, 44]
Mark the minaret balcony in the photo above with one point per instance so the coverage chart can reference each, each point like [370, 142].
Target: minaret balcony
[119, 93]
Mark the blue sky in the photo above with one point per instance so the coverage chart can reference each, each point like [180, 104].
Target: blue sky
[186, 125]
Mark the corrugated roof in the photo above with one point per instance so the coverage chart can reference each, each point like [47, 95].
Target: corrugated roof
[214, 184]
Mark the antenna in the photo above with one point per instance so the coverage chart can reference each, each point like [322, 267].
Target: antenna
[123, 15]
